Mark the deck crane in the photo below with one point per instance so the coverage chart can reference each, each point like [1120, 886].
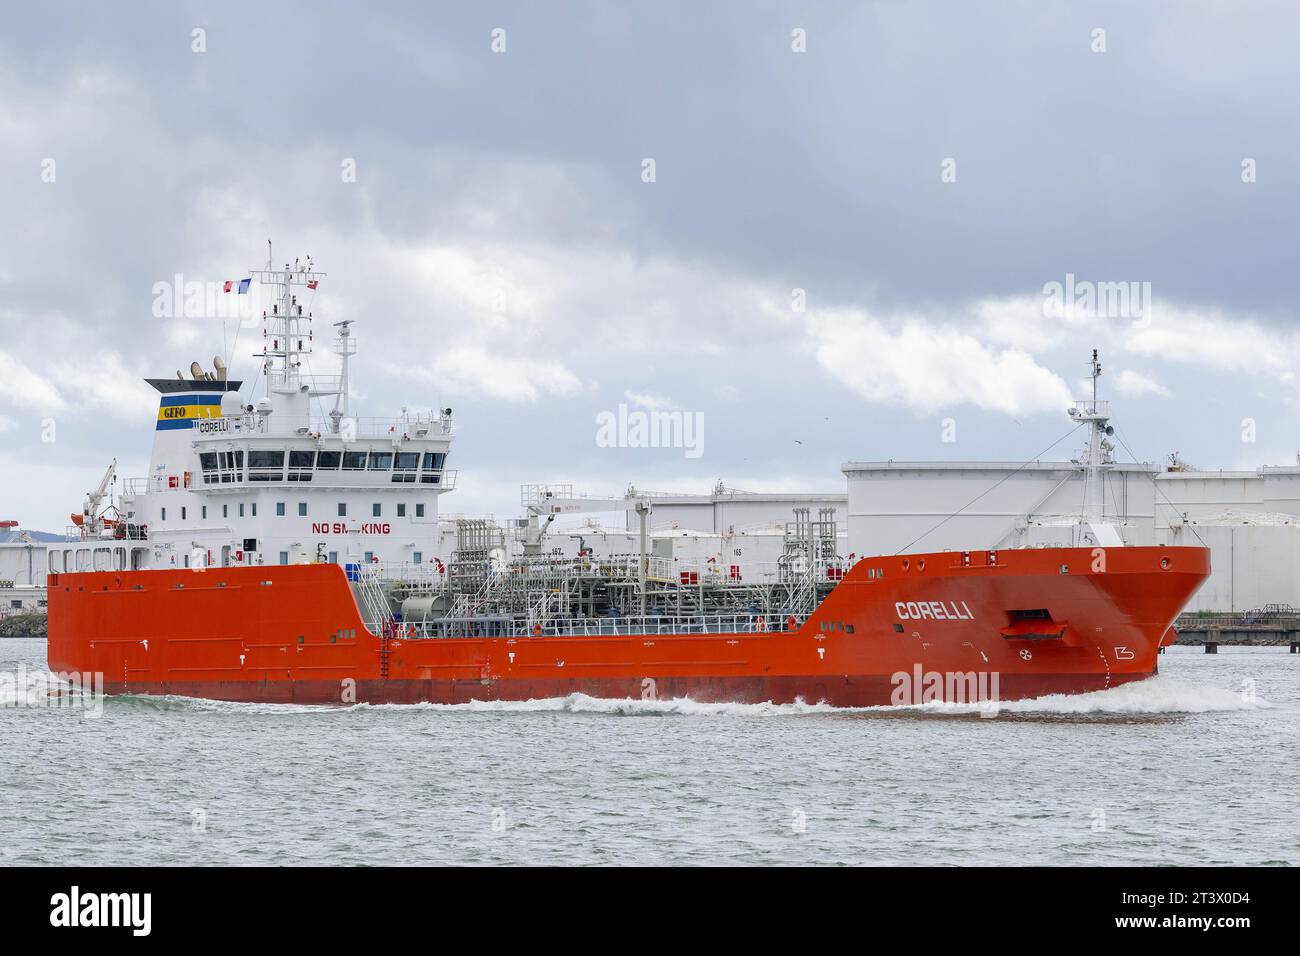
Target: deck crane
[92, 520]
[550, 501]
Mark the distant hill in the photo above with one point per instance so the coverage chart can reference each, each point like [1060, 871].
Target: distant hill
[10, 536]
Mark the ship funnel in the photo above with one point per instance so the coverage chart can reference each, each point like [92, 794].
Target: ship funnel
[196, 371]
[220, 366]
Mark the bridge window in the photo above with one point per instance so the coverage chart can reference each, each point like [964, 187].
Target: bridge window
[381, 460]
[433, 462]
[354, 461]
[328, 460]
[266, 459]
[405, 465]
[230, 465]
[266, 466]
[300, 465]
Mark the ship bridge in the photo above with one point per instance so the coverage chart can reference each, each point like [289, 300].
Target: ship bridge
[279, 477]
[235, 454]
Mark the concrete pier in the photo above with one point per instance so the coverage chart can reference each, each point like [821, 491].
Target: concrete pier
[1275, 625]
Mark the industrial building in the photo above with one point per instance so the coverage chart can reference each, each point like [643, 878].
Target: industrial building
[1247, 518]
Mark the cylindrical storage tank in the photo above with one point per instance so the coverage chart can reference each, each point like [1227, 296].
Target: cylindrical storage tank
[418, 608]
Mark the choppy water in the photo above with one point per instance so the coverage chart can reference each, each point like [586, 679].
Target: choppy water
[1198, 766]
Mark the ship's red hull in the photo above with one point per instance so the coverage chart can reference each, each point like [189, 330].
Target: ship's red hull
[895, 630]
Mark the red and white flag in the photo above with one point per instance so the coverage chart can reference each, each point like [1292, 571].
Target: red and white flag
[311, 284]
[229, 283]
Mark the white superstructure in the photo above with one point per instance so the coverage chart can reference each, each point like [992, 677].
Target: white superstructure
[286, 476]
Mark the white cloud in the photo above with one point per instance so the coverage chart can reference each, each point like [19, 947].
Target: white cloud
[101, 387]
[476, 371]
[649, 401]
[26, 388]
[1216, 340]
[928, 366]
[1135, 385]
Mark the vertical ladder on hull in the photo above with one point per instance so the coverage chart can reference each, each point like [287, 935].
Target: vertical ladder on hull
[385, 650]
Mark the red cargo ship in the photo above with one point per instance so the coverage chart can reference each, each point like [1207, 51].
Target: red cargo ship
[175, 587]
[1041, 620]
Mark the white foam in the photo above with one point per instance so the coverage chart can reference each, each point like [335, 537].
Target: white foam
[25, 687]
[1155, 695]
[625, 706]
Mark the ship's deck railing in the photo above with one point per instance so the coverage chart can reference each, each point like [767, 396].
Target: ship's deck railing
[292, 381]
[1087, 408]
[441, 479]
[649, 626]
[617, 567]
[129, 532]
[351, 428]
[1275, 618]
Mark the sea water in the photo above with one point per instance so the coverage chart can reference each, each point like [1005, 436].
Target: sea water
[1196, 766]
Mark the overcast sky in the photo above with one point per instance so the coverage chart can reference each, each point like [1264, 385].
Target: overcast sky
[922, 171]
